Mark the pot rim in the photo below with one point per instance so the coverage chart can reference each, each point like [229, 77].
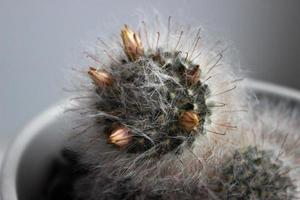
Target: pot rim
[15, 151]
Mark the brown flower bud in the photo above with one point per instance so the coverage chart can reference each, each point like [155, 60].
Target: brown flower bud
[193, 76]
[133, 47]
[189, 120]
[120, 137]
[100, 78]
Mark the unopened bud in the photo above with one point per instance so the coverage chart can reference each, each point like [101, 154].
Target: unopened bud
[100, 78]
[120, 137]
[193, 76]
[133, 47]
[189, 120]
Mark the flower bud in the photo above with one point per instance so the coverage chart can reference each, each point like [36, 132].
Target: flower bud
[189, 120]
[101, 78]
[133, 47]
[193, 76]
[120, 137]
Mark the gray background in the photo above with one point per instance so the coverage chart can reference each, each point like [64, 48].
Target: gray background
[39, 39]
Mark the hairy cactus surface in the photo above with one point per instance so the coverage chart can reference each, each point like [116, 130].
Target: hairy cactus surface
[164, 115]
[154, 99]
[252, 174]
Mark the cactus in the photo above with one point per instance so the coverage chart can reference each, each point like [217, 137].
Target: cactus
[164, 118]
[156, 97]
[252, 174]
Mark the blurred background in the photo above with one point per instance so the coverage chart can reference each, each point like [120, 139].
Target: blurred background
[39, 39]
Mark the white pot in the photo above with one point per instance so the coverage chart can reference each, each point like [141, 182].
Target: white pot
[26, 163]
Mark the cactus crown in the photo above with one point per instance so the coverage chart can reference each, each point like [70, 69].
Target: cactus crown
[154, 99]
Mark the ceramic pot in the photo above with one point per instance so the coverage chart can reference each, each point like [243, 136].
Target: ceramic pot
[27, 162]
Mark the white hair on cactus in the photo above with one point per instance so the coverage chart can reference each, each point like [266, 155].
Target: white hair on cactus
[142, 84]
[275, 128]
